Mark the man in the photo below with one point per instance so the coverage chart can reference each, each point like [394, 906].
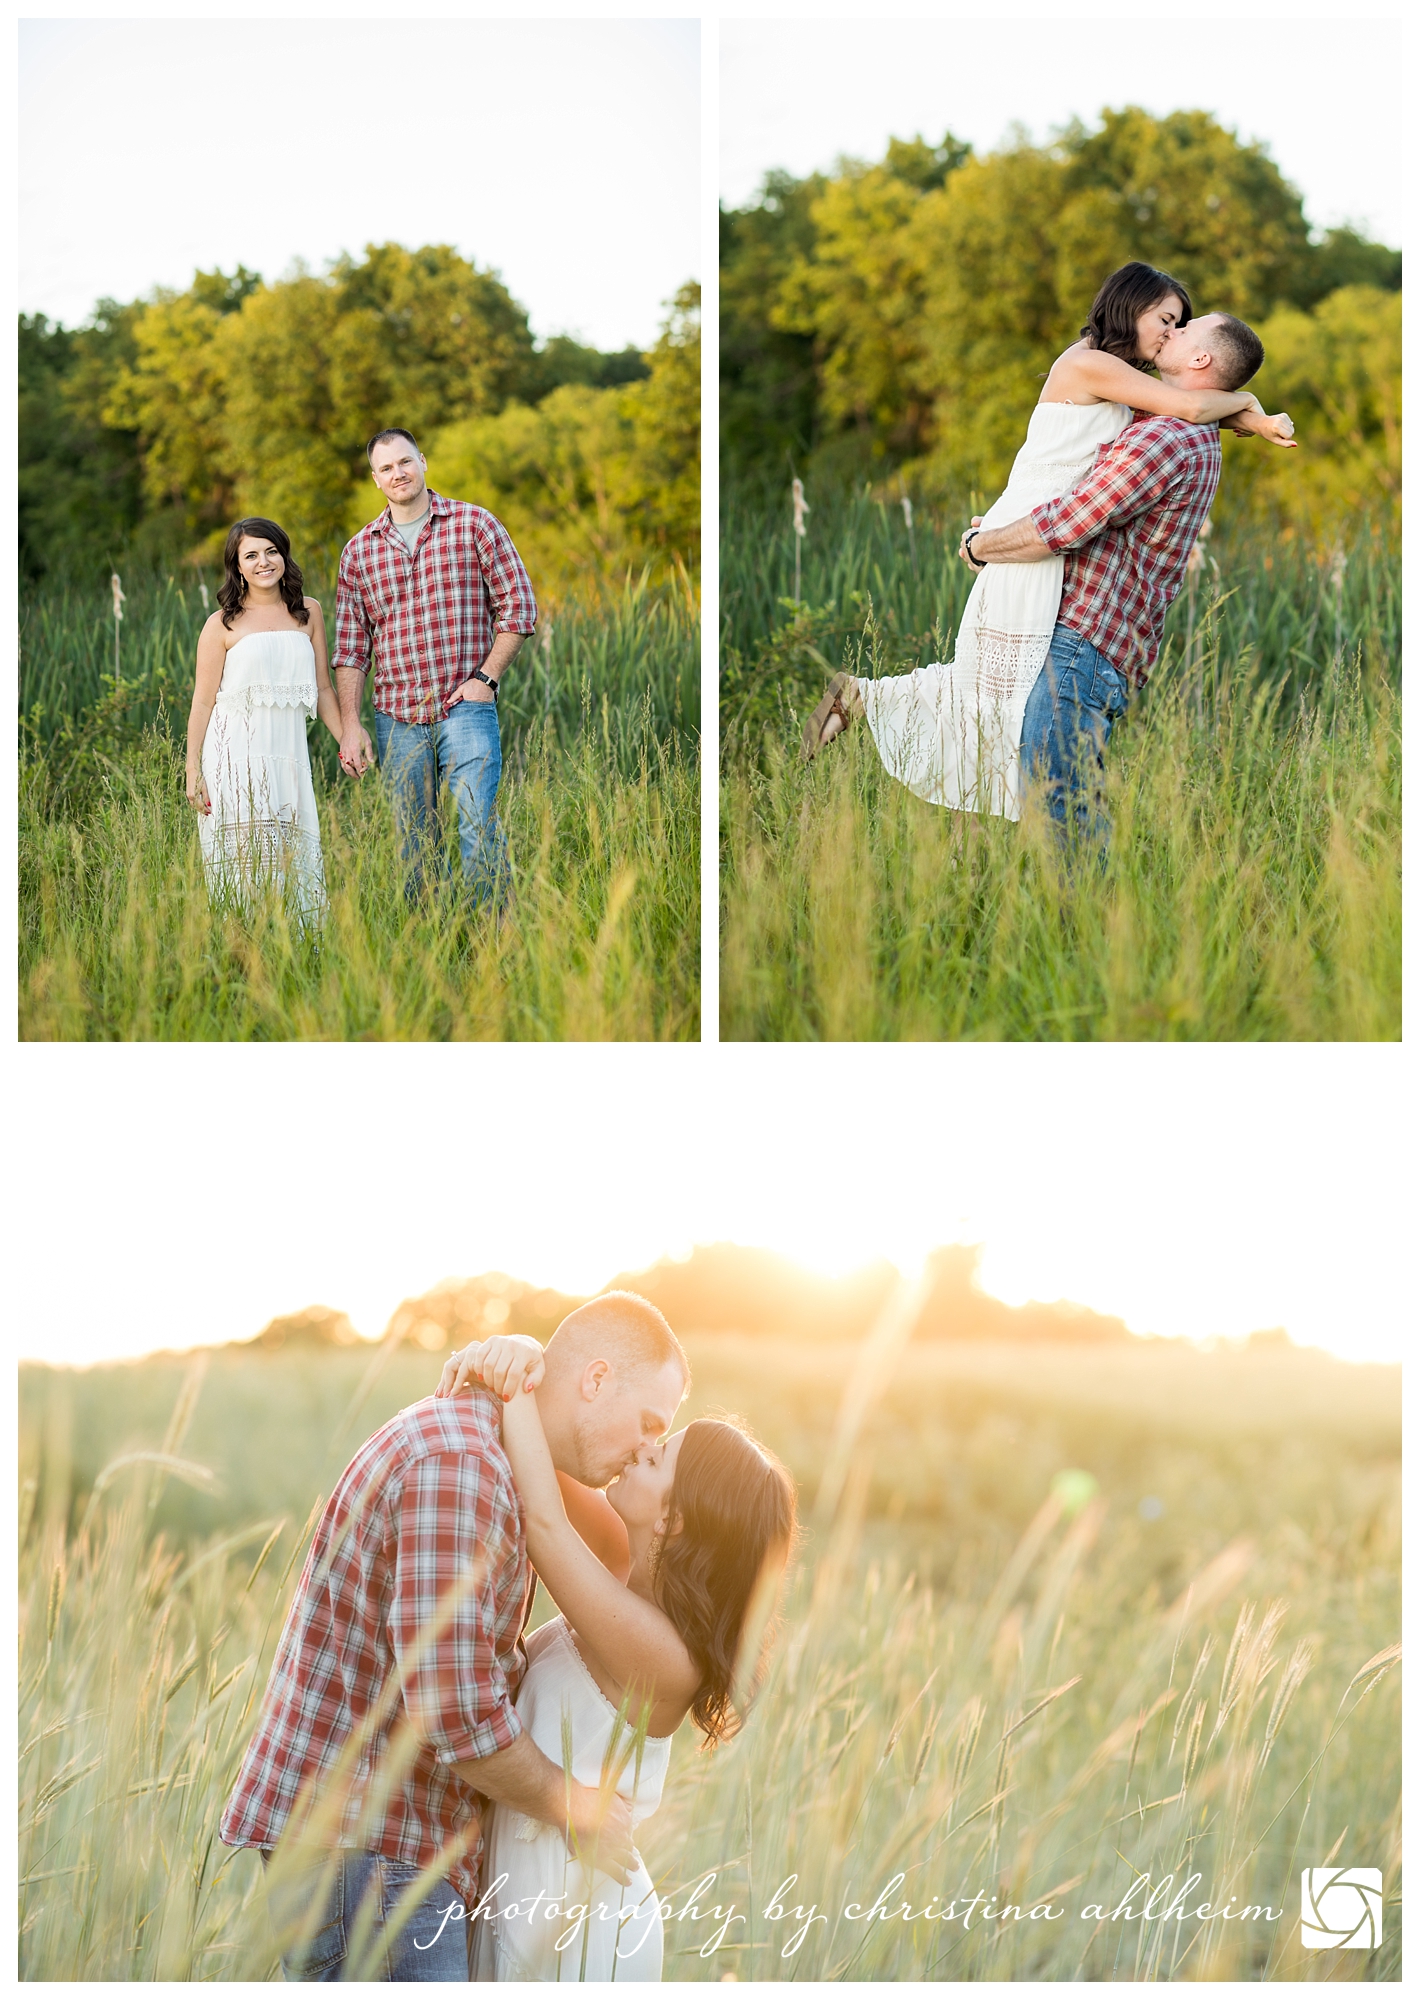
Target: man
[437, 590]
[1125, 531]
[388, 1718]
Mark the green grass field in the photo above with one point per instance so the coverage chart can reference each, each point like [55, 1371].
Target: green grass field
[987, 1678]
[1253, 885]
[599, 800]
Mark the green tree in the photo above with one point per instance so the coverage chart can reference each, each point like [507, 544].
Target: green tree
[591, 482]
[80, 480]
[768, 382]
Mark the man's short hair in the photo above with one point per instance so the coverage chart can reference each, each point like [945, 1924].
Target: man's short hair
[1237, 351]
[383, 437]
[622, 1328]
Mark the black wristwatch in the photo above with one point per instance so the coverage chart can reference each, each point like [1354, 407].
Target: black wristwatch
[487, 680]
[967, 540]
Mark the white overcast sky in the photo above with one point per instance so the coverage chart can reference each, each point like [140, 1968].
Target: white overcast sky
[563, 153]
[1324, 94]
[174, 1197]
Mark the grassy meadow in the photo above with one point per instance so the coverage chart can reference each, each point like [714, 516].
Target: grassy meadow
[599, 801]
[1252, 890]
[1079, 1615]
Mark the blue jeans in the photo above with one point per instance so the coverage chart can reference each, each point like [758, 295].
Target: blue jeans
[432, 1944]
[1070, 712]
[462, 753]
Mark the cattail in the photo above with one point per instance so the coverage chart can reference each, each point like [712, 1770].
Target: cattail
[800, 512]
[118, 602]
[202, 588]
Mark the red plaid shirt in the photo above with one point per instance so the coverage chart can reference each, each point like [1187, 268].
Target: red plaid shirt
[426, 1503]
[429, 616]
[1126, 531]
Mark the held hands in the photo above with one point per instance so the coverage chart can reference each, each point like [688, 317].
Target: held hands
[197, 796]
[506, 1363]
[357, 753]
[975, 523]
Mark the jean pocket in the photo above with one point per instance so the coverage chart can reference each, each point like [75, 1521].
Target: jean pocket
[290, 1907]
[1110, 690]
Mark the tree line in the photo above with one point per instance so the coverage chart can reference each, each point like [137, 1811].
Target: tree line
[896, 317]
[144, 433]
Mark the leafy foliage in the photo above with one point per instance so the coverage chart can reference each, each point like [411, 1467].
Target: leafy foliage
[149, 430]
[901, 313]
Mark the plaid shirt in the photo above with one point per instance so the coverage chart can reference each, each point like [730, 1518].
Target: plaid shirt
[426, 1503]
[429, 616]
[1133, 520]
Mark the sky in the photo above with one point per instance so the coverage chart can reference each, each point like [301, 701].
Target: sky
[1324, 94]
[563, 153]
[1193, 1191]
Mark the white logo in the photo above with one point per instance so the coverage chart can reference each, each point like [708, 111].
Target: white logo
[1341, 1909]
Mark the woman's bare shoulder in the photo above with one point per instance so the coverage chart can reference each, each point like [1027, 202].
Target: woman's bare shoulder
[213, 628]
[1066, 375]
[313, 604]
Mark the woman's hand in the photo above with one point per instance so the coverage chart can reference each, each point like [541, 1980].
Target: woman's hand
[197, 792]
[962, 552]
[1256, 423]
[504, 1364]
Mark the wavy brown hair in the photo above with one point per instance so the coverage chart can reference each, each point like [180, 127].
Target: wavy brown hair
[737, 1512]
[233, 592]
[1125, 295]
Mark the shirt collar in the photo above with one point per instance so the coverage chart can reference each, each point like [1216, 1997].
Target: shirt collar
[386, 522]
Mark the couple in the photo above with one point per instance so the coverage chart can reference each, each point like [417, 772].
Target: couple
[434, 589]
[1076, 563]
[408, 1728]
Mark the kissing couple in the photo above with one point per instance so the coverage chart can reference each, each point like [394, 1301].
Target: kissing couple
[435, 594]
[434, 1789]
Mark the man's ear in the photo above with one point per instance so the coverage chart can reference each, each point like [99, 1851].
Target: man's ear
[594, 1376]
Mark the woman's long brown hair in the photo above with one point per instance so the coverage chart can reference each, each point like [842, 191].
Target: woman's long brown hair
[1121, 301]
[735, 1508]
[232, 594]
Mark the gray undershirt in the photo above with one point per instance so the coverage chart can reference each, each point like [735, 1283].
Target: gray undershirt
[410, 530]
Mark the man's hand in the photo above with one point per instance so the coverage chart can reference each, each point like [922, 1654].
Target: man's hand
[504, 1364]
[602, 1840]
[357, 753]
[975, 523]
[469, 690]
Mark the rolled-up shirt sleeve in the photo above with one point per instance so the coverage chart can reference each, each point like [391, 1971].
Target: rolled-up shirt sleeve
[353, 629]
[455, 1563]
[1131, 476]
[507, 581]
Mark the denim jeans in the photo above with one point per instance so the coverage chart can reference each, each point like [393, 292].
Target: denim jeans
[1070, 712]
[432, 1944]
[462, 753]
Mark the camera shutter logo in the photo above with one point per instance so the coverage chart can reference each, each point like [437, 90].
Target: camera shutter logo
[1341, 1909]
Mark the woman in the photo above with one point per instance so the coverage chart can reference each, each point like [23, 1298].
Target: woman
[261, 670]
[693, 1539]
[951, 733]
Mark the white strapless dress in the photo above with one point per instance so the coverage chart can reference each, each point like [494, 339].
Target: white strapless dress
[558, 1698]
[263, 828]
[952, 732]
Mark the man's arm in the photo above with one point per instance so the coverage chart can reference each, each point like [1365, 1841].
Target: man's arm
[514, 606]
[524, 1779]
[1019, 541]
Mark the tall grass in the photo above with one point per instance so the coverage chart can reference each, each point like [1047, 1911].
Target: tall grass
[989, 1678]
[1252, 890]
[599, 801]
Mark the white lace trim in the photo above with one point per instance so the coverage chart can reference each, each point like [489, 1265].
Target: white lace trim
[267, 694]
[1006, 664]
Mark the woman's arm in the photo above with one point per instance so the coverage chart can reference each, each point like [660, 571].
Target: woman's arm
[1111, 380]
[633, 1640]
[211, 659]
[327, 700]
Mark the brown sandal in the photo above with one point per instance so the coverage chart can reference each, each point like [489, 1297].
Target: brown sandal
[832, 704]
